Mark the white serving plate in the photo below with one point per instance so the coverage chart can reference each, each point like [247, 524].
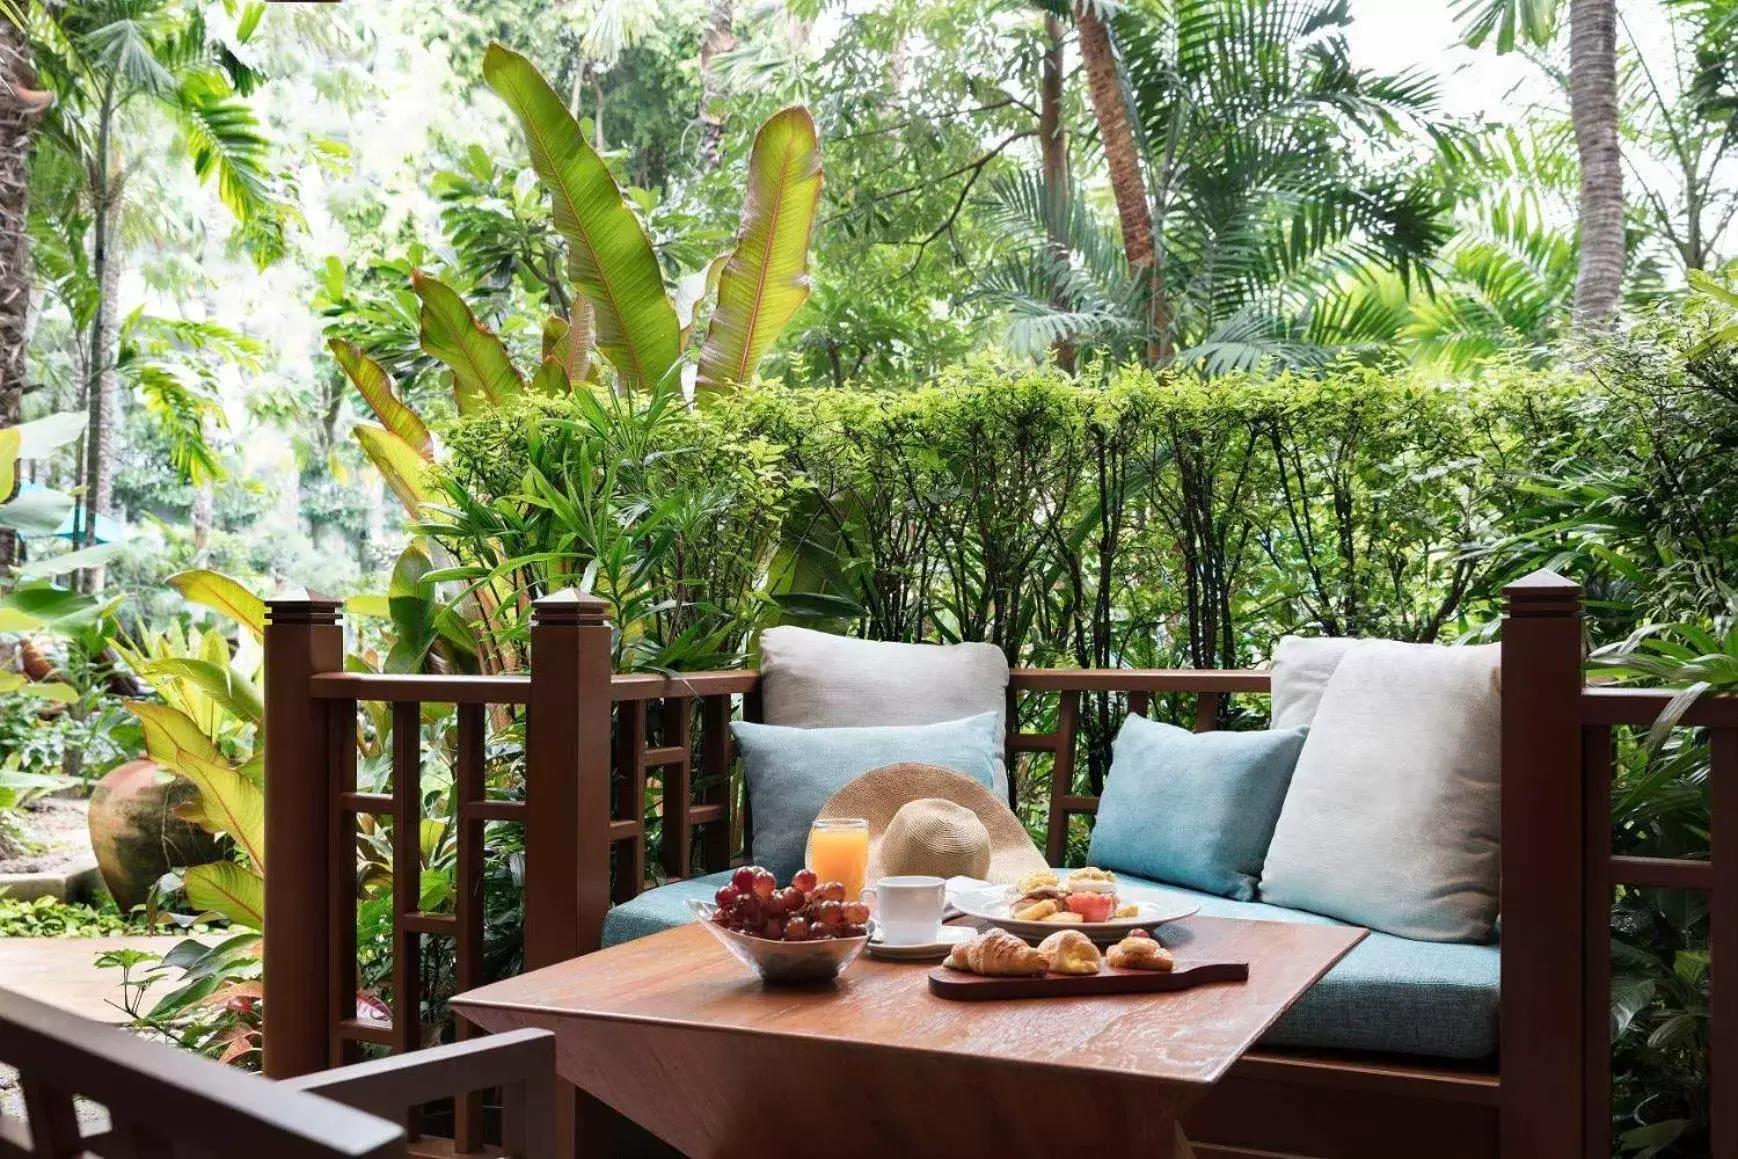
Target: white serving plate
[990, 904]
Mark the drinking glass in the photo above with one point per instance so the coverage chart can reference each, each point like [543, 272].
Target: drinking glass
[839, 851]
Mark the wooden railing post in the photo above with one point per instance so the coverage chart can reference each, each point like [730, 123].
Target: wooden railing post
[303, 637]
[1543, 1053]
[567, 778]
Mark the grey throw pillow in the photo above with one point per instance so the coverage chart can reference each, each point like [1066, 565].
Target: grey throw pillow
[1391, 820]
[814, 679]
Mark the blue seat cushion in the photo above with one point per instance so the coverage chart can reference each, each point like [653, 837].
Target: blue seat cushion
[659, 909]
[1437, 999]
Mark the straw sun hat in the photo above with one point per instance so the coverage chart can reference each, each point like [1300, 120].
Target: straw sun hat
[924, 819]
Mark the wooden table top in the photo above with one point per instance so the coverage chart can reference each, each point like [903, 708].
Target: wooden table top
[683, 979]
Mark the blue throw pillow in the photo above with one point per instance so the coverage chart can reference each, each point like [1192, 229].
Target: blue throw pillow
[1193, 809]
[792, 772]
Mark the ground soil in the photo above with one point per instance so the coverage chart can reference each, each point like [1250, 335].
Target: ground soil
[56, 834]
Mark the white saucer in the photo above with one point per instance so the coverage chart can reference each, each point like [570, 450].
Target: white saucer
[951, 936]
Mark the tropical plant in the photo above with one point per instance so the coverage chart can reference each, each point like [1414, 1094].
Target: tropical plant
[43, 510]
[1594, 109]
[213, 1004]
[1247, 228]
[112, 65]
[620, 309]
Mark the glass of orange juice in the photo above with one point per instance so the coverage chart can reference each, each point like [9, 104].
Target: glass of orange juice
[839, 851]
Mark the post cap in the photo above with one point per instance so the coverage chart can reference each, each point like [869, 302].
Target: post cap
[300, 606]
[1543, 593]
[570, 607]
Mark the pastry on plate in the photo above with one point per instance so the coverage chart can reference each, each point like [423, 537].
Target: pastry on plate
[1127, 909]
[1139, 951]
[1065, 917]
[1035, 911]
[1092, 907]
[1036, 880]
[1070, 952]
[998, 954]
[1091, 879]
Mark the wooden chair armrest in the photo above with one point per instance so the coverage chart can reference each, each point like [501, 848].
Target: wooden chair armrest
[520, 1062]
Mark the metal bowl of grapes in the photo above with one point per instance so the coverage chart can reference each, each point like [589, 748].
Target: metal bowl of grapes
[802, 933]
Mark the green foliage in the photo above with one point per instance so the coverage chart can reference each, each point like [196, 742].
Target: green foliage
[1280, 191]
[47, 917]
[668, 515]
[213, 1005]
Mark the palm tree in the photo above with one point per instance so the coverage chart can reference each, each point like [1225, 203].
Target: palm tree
[719, 38]
[1593, 105]
[21, 105]
[1104, 86]
[1254, 212]
[114, 64]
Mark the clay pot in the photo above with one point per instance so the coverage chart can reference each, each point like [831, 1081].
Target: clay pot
[135, 834]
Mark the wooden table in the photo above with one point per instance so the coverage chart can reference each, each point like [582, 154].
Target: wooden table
[673, 1033]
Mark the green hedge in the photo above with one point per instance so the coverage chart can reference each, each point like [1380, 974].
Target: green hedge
[1129, 519]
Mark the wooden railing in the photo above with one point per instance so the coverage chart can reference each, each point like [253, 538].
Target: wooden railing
[595, 740]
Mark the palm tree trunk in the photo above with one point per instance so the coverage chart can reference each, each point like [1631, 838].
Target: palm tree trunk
[1122, 157]
[20, 106]
[720, 38]
[1593, 106]
[1053, 147]
[103, 393]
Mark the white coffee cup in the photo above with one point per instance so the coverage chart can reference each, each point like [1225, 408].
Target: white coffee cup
[908, 909]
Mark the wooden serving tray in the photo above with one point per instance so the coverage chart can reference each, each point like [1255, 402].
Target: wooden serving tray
[962, 987]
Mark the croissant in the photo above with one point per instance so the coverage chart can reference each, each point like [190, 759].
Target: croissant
[1139, 954]
[1070, 952]
[997, 954]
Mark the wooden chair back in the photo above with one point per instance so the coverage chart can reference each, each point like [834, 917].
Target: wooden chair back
[93, 1090]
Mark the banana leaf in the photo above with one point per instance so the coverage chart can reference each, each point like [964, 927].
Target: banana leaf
[223, 887]
[229, 688]
[398, 462]
[228, 802]
[478, 358]
[226, 596]
[767, 277]
[609, 259]
[375, 384]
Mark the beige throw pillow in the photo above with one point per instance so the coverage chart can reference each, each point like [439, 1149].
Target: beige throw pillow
[1301, 667]
[1391, 820]
[818, 680]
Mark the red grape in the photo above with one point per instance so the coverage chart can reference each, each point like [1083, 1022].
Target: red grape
[743, 879]
[796, 930]
[773, 904]
[830, 891]
[856, 913]
[725, 896]
[722, 918]
[851, 930]
[818, 930]
[773, 929]
[804, 880]
[746, 910]
[764, 884]
[830, 913]
[792, 899]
